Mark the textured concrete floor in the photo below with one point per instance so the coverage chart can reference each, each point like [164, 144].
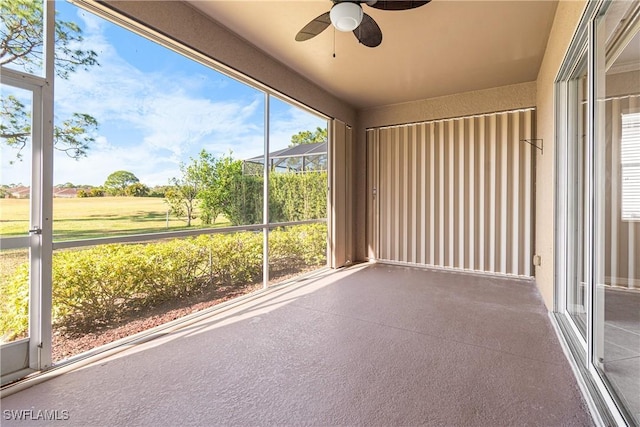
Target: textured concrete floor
[373, 346]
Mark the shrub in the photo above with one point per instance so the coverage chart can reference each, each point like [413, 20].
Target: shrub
[96, 192]
[292, 197]
[234, 258]
[312, 240]
[100, 285]
[247, 204]
[297, 196]
[284, 249]
[14, 305]
[175, 268]
[137, 190]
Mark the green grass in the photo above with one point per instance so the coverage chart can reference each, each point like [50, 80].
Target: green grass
[94, 217]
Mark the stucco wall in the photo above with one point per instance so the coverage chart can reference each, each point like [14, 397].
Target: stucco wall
[567, 17]
[463, 104]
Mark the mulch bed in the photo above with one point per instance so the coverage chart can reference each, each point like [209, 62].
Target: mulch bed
[66, 344]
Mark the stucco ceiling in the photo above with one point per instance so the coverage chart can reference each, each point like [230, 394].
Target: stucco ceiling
[442, 48]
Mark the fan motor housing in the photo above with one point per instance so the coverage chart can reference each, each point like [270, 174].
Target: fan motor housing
[346, 16]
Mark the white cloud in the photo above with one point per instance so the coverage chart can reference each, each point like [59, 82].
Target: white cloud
[159, 119]
[150, 168]
[289, 122]
[152, 121]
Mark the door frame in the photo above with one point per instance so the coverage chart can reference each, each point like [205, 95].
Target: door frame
[34, 353]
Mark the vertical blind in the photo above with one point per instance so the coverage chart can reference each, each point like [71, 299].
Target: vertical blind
[454, 193]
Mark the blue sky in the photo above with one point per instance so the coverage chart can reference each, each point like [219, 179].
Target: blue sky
[157, 109]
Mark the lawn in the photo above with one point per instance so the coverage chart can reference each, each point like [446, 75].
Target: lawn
[93, 217]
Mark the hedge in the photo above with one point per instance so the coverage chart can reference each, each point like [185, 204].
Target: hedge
[99, 285]
[292, 197]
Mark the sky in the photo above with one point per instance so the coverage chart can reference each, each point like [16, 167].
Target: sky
[156, 109]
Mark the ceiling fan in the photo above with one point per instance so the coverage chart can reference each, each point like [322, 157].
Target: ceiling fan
[347, 15]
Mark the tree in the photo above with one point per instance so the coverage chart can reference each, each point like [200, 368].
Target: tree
[308, 137]
[229, 179]
[181, 196]
[96, 192]
[15, 124]
[208, 183]
[118, 181]
[203, 172]
[22, 45]
[158, 191]
[137, 189]
[216, 177]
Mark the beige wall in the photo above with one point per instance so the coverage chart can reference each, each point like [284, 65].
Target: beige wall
[504, 98]
[567, 17]
[454, 192]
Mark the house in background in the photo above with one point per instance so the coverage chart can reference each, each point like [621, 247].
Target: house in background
[498, 138]
[20, 192]
[66, 193]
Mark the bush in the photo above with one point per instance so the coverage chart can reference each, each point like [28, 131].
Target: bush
[137, 190]
[247, 204]
[292, 197]
[14, 305]
[96, 192]
[297, 196]
[234, 259]
[101, 285]
[312, 241]
[97, 284]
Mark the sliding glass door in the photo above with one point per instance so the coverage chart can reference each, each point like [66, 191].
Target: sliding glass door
[20, 235]
[616, 305]
[598, 250]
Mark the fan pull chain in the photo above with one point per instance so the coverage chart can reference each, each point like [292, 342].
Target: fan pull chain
[334, 42]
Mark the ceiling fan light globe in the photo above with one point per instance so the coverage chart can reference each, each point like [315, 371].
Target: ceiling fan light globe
[346, 16]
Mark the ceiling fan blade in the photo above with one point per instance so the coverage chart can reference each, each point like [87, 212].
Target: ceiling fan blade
[368, 32]
[314, 27]
[397, 4]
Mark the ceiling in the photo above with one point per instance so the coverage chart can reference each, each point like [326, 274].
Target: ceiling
[442, 48]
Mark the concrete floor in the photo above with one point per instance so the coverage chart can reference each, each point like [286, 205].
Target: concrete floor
[373, 345]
